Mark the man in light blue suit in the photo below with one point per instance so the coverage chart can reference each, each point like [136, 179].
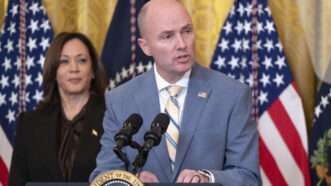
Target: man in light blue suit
[218, 140]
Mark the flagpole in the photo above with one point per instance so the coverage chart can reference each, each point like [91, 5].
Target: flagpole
[133, 29]
[22, 55]
[255, 64]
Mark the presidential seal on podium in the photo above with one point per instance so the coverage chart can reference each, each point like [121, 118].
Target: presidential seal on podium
[116, 178]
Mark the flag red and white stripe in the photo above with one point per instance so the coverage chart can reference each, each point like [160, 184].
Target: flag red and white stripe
[283, 140]
[6, 151]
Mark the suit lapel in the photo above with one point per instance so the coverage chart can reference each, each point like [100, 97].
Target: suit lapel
[148, 102]
[196, 98]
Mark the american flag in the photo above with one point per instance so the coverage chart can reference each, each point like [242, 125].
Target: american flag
[250, 51]
[24, 39]
[122, 57]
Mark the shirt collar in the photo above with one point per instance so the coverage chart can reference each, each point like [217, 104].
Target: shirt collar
[162, 83]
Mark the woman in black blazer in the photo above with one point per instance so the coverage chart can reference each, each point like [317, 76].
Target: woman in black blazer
[59, 141]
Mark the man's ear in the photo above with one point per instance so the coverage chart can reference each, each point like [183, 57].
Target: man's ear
[144, 46]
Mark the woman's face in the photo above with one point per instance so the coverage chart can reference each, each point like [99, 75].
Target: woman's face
[74, 73]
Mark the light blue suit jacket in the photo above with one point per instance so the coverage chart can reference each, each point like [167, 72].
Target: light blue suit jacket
[217, 132]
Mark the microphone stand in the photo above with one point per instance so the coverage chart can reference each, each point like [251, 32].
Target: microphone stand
[138, 163]
[122, 156]
[136, 166]
[140, 160]
[143, 152]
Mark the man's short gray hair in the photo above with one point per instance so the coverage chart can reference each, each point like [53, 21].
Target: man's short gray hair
[141, 19]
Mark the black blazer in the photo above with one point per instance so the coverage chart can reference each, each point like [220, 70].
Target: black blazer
[35, 151]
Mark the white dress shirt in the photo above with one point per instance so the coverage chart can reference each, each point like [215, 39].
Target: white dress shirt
[162, 84]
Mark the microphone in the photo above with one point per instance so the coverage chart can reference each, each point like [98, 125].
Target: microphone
[158, 128]
[124, 136]
[152, 138]
[130, 127]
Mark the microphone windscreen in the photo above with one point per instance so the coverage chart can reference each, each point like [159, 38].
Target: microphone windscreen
[162, 120]
[135, 121]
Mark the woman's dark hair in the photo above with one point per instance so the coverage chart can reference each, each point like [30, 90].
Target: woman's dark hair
[52, 61]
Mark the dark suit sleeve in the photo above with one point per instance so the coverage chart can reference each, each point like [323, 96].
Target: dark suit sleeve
[18, 174]
[241, 153]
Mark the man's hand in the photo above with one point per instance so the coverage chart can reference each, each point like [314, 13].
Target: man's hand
[147, 177]
[191, 176]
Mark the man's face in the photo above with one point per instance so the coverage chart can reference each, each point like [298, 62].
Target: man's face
[169, 38]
